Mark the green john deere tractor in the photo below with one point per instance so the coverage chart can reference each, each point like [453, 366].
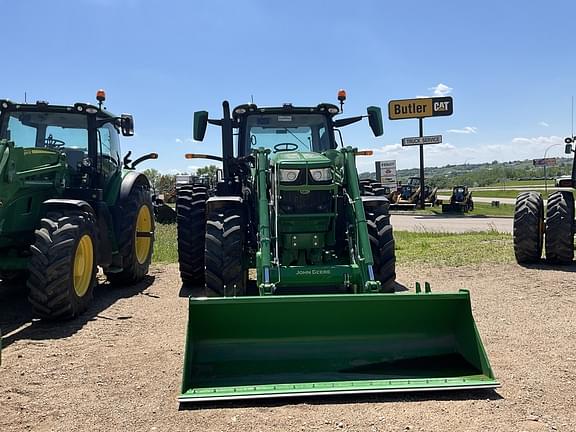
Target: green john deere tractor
[551, 229]
[321, 316]
[69, 204]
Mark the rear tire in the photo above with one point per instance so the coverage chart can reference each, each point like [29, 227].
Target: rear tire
[560, 228]
[382, 245]
[136, 252]
[62, 268]
[191, 218]
[528, 227]
[224, 251]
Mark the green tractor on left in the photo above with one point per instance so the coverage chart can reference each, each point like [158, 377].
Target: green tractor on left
[69, 203]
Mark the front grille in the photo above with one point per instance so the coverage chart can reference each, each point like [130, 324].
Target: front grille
[295, 202]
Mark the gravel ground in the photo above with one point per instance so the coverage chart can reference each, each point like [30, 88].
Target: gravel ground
[119, 366]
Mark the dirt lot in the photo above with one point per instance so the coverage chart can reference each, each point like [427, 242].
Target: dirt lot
[118, 368]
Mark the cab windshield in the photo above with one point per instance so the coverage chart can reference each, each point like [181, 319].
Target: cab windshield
[288, 132]
[46, 129]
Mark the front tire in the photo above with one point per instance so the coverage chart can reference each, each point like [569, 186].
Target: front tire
[62, 269]
[528, 227]
[382, 245]
[191, 219]
[224, 251]
[136, 242]
[560, 228]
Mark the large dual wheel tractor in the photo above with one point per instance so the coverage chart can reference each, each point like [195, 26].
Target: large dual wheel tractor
[554, 233]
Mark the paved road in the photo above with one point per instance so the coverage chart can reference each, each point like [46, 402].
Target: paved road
[443, 223]
[446, 198]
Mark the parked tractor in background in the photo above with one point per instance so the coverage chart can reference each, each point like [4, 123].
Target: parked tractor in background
[430, 193]
[163, 213]
[68, 204]
[289, 205]
[408, 195]
[552, 229]
[460, 201]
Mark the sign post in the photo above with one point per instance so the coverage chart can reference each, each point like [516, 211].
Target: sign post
[546, 162]
[421, 108]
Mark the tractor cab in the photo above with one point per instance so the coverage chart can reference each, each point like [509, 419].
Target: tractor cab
[285, 128]
[406, 191]
[459, 193]
[82, 137]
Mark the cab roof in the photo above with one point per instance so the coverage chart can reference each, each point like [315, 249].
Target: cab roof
[248, 109]
[42, 106]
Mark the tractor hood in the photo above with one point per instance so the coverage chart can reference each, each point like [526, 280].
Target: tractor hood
[299, 159]
[28, 176]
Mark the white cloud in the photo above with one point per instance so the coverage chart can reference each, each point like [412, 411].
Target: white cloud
[389, 149]
[464, 130]
[185, 140]
[440, 148]
[543, 123]
[541, 140]
[441, 90]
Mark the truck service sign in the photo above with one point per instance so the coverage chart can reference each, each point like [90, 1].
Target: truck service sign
[420, 108]
[431, 139]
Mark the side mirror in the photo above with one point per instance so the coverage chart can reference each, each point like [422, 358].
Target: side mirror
[568, 149]
[200, 124]
[127, 124]
[375, 120]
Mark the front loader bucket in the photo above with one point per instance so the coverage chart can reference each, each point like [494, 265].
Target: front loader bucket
[256, 347]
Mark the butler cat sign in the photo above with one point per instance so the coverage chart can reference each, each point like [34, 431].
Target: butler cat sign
[420, 108]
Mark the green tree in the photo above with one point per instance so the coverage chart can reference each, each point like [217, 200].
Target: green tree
[166, 184]
[153, 175]
[210, 170]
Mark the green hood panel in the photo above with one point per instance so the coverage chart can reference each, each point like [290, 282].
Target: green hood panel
[289, 158]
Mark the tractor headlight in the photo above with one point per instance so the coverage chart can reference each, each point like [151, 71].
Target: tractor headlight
[288, 175]
[321, 174]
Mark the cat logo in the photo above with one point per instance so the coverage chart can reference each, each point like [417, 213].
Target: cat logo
[420, 108]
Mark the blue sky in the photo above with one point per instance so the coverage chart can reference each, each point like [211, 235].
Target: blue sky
[510, 67]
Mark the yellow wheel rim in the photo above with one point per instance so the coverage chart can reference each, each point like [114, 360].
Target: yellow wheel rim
[144, 227]
[83, 265]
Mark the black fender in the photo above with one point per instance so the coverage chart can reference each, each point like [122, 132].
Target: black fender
[379, 202]
[217, 202]
[69, 203]
[103, 252]
[130, 180]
